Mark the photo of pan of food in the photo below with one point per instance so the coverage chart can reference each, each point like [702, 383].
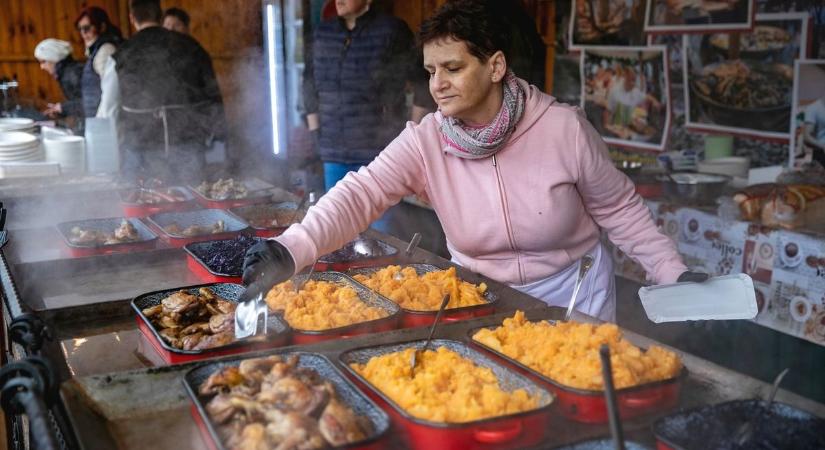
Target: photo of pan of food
[693, 16]
[606, 23]
[742, 82]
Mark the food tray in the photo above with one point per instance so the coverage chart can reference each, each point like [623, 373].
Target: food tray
[414, 318]
[262, 193]
[367, 296]
[277, 335]
[715, 426]
[147, 241]
[588, 406]
[195, 253]
[131, 209]
[202, 217]
[504, 432]
[346, 391]
[249, 212]
[345, 258]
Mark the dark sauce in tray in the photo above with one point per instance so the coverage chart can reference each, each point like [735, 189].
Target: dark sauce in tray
[715, 427]
[226, 257]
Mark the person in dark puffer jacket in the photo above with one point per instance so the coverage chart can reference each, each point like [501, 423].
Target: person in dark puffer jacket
[101, 38]
[354, 86]
[55, 57]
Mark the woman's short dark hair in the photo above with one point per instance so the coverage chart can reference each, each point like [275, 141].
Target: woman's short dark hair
[470, 21]
[178, 13]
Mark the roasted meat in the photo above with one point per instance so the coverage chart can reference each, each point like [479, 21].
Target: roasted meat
[124, 233]
[223, 189]
[195, 230]
[194, 321]
[281, 405]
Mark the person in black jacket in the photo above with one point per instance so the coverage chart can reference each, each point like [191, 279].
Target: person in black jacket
[357, 67]
[55, 57]
[170, 105]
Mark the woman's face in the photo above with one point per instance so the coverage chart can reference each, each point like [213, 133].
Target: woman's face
[463, 86]
[49, 67]
[88, 32]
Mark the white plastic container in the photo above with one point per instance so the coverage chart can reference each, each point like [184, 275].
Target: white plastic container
[102, 154]
[728, 297]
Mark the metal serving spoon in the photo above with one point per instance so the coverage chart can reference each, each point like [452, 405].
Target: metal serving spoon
[584, 266]
[441, 309]
[745, 432]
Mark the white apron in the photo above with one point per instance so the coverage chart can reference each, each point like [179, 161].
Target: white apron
[597, 295]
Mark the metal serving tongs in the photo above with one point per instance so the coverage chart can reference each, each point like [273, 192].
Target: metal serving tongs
[251, 305]
[3, 232]
[414, 357]
[610, 399]
[584, 266]
[745, 432]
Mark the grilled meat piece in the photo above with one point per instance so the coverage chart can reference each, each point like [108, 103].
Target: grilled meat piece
[200, 327]
[126, 232]
[293, 431]
[220, 408]
[222, 380]
[253, 437]
[221, 323]
[80, 236]
[152, 311]
[191, 341]
[179, 302]
[216, 340]
[170, 335]
[257, 368]
[340, 425]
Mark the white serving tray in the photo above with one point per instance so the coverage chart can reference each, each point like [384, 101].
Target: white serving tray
[728, 297]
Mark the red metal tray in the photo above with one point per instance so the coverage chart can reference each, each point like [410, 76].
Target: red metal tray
[197, 251]
[202, 217]
[588, 406]
[352, 397]
[147, 241]
[714, 427]
[250, 213]
[346, 258]
[277, 335]
[413, 318]
[132, 209]
[512, 431]
[367, 296]
[262, 194]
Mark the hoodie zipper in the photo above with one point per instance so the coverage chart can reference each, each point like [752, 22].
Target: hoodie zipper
[507, 225]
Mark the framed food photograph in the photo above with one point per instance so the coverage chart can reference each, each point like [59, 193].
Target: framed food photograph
[606, 23]
[698, 16]
[742, 83]
[808, 114]
[626, 95]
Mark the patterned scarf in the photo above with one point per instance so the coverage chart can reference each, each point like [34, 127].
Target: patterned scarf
[470, 142]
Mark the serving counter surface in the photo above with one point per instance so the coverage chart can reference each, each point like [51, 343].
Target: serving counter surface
[117, 393]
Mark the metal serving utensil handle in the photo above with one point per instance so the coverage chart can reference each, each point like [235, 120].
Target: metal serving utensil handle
[584, 266]
[441, 309]
[775, 386]
[301, 284]
[413, 244]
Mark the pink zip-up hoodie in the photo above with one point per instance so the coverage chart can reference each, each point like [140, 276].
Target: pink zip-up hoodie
[526, 213]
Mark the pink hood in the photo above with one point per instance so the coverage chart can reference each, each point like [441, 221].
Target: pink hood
[527, 213]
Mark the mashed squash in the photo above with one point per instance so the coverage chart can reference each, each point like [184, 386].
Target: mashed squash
[446, 387]
[320, 305]
[424, 292]
[568, 352]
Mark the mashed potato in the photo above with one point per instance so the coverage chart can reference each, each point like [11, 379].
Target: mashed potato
[320, 305]
[425, 292]
[446, 387]
[568, 352]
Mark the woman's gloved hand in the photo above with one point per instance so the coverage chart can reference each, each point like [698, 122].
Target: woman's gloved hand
[269, 262]
[693, 277]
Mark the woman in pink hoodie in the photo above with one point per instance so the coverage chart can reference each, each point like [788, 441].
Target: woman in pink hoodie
[522, 184]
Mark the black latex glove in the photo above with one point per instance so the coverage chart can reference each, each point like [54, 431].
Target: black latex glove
[693, 277]
[267, 261]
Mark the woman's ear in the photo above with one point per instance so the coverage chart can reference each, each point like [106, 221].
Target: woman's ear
[498, 66]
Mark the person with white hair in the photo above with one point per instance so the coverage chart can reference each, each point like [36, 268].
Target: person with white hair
[55, 57]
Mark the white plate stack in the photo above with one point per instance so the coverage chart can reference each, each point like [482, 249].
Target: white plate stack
[16, 146]
[68, 151]
[17, 124]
